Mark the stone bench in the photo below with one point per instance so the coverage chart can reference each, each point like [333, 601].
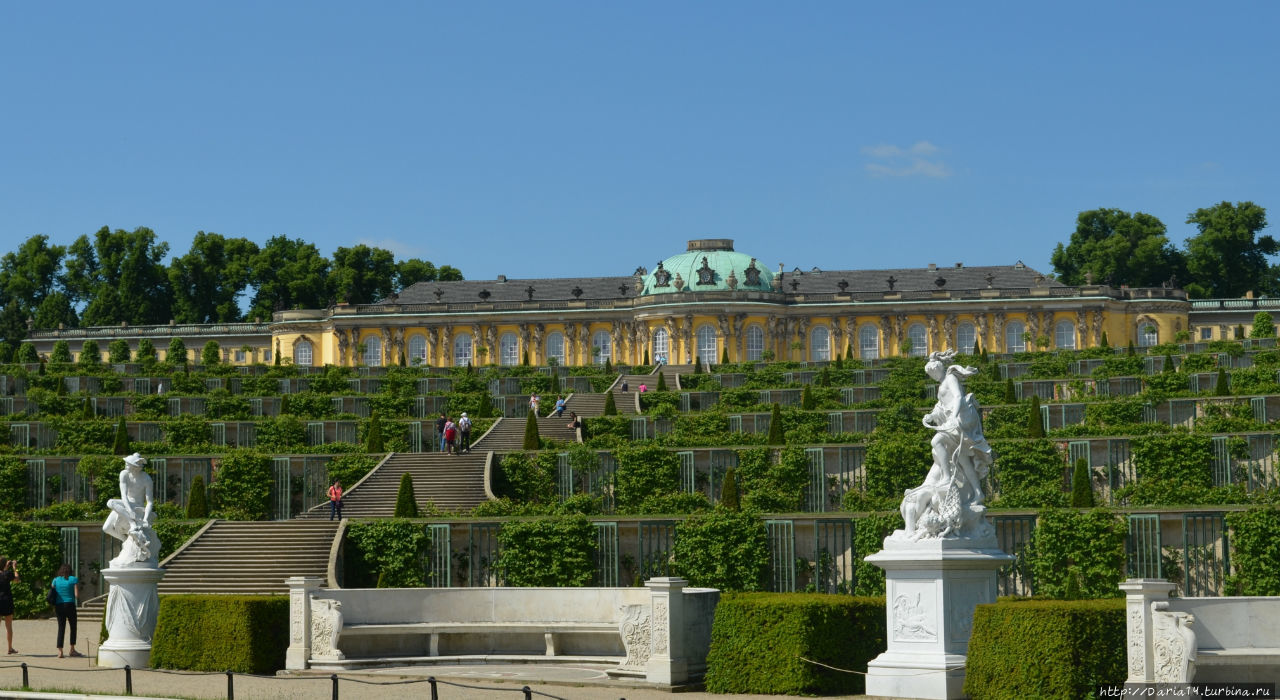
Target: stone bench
[660, 632]
[1206, 640]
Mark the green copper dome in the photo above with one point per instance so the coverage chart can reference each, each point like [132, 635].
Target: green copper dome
[709, 265]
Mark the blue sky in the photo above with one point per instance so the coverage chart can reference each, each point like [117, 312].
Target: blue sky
[551, 138]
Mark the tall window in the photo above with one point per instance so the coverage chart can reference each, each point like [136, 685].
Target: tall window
[373, 351]
[819, 344]
[1148, 333]
[966, 336]
[1064, 335]
[661, 345]
[555, 347]
[755, 343]
[417, 350]
[707, 345]
[462, 349]
[302, 354]
[601, 346]
[919, 340]
[869, 342]
[508, 349]
[1013, 337]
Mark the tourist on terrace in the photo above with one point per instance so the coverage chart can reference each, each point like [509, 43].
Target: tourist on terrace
[8, 574]
[559, 407]
[68, 589]
[335, 500]
[440, 429]
[464, 427]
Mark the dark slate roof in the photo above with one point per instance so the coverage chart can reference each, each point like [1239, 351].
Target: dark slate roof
[811, 281]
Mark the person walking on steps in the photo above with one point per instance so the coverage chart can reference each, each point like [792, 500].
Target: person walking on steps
[68, 590]
[440, 430]
[451, 437]
[335, 500]
[624, 386]
[464, 427]
[8, 574]
[559, 407]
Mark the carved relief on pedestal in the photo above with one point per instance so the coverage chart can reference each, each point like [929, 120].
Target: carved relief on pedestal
[326, 627]
[1136, 644]
[1173, 644]
[660, 632]
[295, 619]
[635, 637]
[912, 619]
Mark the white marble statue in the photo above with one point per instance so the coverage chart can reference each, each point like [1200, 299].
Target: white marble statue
[949, 502]
[132, 517]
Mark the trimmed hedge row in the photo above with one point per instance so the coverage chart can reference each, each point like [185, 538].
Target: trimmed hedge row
[241, 633]
[1045, 649]
[758, 639]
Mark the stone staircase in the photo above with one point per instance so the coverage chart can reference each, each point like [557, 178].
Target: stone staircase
[451, 482]
[240, 557]
[507, 435]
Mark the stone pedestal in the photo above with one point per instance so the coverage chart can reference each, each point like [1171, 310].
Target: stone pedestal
[667, 664]
[931, 587]
[132, 606]
[1139, 594]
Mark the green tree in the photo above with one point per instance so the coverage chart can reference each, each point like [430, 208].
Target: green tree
[177, 352]
[532, 441]
[1228, 257]
[286, 274]
[61, 352]
[1117, 247]
[119, 276]
[1263, 326]
[1010, 395]
[118, 351]
[697, 364]
[120, 444]
[406, 502]
[806, 399]
[197, 502]
[1223, 385]
[31, 287]
[662, 382]
[90, 354]
[723, 549]
[776, 435]
[410, 272]
[1035, 422]
[373, 442]
[211, 354]
[146, 351]
[362, 274]
[729, 497]
[208, 281]
[1081, 486]
[27, 354]
[610, 407]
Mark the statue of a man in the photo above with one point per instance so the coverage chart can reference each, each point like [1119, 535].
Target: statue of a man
[132, 516]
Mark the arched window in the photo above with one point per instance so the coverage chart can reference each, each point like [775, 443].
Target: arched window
[508, 349]
[602, 347]
[661, 344]
[555, 347]
[966, 336]
[819, 344]
[869, 342]
[417, 350]
[919, 340]
[1148, 333]
[462, 349]
[755, 343]
[707, 345]
[303, 353]
[1014, 340]
[372, 351]
[1064, 335]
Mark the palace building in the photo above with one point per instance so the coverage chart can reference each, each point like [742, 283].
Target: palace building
[709, 302]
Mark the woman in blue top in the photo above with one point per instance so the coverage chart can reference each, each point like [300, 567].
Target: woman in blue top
[68, 588]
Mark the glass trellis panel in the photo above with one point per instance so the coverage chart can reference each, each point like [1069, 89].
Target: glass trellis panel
[482, 555]
[1120, 470]
[346, 431]
[1205, 554]
[1072, 414]
[833, 566]
[150, 432]
[218, 434]
[315, 434]
[37, 485]
[415, 436]
[20, 435]
[1182, 412]
[782, 555]
[73, 486]
[108, 549]
[601, 480]
[735, 424]
[195, 405]
[685, 402]
[864, 422]
[6, 405]
[1259, 406]
[763, 422]
[655, 543]
[439, 556]
[1143, 546]
[1221, 461]
[848, 396]
[286, 386]
[281, 489]
[852, 475]
[175, 407]
[1044, 417]
[1013, 532]
[213, 383]
[246, 434]
[606, 554]
[336, 404]
[721, 462]
[815, 493]
[142, 385]
[191, 467]
[564, 475]
[255, 406]
[688, 474]
[1262, 461]
[315, 482]
[70, 537]
[1078, 450]
[639, 428]
[1148, 413]
[835, 423]
[360, 406]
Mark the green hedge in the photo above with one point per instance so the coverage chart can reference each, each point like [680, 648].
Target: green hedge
[38, 552]
[246, 634]
[1045, 649]
[1255, 552]
[758, 639]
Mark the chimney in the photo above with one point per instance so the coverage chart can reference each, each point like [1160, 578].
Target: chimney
[933, 267]
[959, 265]
[502, 278]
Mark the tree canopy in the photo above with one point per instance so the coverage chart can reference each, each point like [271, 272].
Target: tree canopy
[1228, 257]
[1111, 246]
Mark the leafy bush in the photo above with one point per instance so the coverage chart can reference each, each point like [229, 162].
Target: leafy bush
[868, 538]
[197, 501]
[758, 640]
[1081, 485]
[351, 468]
[90, 354]
[241, 633]
[555, 551]
[723, 549]
[211, 354]
[281, 434]
[187, 434]
[388, 553]
[13, 484]
[1077, 550]
[406, 503]
[531, 439]
[769, 485]
[1045, 649]
[242, 486]
[643, 471]
[38, 552]
[175, 533]
[1027, 471]
[1179, 457]
[610, 407]
[1255, 552]
[61, 352]
[896, 462]
[526, 477]
[776, 436]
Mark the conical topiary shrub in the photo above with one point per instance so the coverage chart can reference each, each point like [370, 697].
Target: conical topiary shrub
[120, 445]
[729, 491]
[485, 409]
[806, 399]
[1223, 386]
[406, 504]
[724, 356]
[373, 438]
[697, 364]
[608, 366]
[610, 408]
[1010, 395]
[197, 502]
[86, 409]
[1035, 423]
[662, 382]
[1131, 349]
[285, 408]
[1102, 342]
[532, 441]
[1168, 364]
[1081, 486]
[776, 436]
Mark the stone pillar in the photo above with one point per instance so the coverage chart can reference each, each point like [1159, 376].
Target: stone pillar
[1140, 593]
[932, 587]
[300, 590]
[666, 624]
[130, 616]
